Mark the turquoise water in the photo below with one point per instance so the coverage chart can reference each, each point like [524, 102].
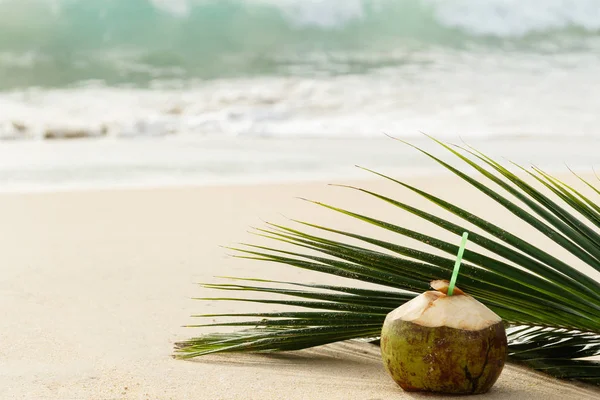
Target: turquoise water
[54, 43]
[257, 90]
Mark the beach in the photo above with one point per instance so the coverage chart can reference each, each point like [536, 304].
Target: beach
[140, 139]
[97, 284]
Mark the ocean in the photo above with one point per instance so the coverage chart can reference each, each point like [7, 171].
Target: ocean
[154, 92]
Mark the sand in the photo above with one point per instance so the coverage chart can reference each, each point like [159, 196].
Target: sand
[95, 285]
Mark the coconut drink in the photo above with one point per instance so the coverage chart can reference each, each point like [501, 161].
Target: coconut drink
[444, 343]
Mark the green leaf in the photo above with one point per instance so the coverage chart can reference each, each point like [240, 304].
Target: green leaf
[552, 306]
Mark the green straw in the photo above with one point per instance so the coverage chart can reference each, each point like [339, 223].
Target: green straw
[459, 257]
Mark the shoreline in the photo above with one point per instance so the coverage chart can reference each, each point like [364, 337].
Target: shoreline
[65, 166]
[233, 183]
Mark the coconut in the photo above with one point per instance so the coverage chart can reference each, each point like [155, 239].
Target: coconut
[444, 344]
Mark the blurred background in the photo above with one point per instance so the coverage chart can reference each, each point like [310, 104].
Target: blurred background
[97, 93]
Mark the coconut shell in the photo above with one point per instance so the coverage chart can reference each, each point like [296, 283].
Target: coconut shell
[466, 358]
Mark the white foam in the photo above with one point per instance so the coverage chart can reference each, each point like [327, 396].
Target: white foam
[509, 18]
[445, 93]
[327, 14]
[504, 18]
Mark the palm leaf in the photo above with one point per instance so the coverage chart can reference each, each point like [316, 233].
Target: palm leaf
[552, 307]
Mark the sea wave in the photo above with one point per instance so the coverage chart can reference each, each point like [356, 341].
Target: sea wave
[118, 21]
[478, 95]
[60, 42]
